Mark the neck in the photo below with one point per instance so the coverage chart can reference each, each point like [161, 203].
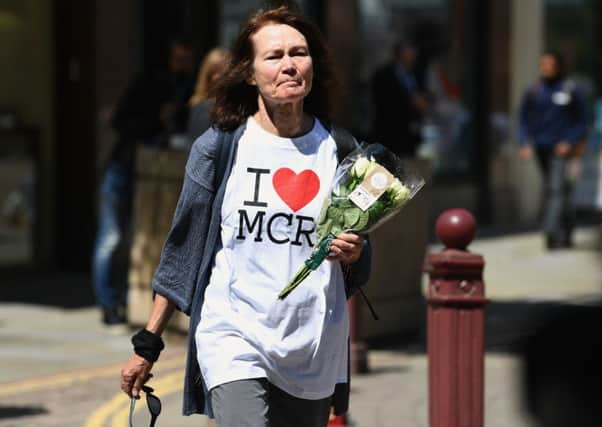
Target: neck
[286, 120]
[551, 80]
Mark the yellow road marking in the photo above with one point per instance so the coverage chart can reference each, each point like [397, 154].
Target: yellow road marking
[166, 385]
[67, 378]
[98, 417]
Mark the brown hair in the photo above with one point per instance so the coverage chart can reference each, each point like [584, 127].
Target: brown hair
[235, 99]
[213, 65]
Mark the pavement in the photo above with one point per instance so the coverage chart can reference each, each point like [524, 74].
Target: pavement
[60, 367]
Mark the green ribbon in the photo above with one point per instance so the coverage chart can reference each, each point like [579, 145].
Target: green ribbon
[320, 253]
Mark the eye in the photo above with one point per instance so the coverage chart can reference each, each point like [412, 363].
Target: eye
[300, 52]
[274, 55]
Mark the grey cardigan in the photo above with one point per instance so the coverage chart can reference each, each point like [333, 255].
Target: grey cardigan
[189, 250]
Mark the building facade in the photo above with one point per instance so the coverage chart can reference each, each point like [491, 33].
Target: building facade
[64, 64]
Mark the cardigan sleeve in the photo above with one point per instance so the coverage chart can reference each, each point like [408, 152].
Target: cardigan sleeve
[176, 275]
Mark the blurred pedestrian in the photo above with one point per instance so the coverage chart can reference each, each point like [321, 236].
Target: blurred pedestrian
[213, 66]
[399, 103]
[151, 110]
[553, 123]
[239, 235]
[448, 115]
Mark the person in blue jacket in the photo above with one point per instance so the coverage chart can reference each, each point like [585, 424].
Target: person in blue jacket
[552, 126]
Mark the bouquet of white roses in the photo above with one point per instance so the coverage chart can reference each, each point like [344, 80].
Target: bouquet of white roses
[370, 186]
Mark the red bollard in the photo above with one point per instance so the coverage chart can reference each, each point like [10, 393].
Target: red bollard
[456, 303]
[358, 348]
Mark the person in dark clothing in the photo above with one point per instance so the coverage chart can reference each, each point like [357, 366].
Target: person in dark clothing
[398, 103]
[151, 110]
[553, 124]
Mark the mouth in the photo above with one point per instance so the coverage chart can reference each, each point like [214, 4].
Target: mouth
[290, 83]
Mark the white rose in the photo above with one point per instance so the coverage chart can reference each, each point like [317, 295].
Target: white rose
[360, 167]
[399, 192]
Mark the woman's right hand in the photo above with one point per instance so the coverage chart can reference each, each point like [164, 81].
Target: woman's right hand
[135, 372]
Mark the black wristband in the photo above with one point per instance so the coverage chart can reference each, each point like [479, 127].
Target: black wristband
[147, 345]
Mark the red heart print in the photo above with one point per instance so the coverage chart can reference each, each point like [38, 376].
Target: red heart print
[296, 190]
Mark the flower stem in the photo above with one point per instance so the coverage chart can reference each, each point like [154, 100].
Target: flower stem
[299, 277]
[316, 258]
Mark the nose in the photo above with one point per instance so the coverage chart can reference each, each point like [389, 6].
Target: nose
[288, 66]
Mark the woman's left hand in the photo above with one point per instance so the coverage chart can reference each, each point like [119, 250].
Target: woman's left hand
[346, 248]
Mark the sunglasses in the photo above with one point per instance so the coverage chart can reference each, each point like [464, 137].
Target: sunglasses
[153, 403]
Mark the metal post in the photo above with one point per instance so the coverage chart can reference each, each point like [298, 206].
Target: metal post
[456, 302]
[358, 348]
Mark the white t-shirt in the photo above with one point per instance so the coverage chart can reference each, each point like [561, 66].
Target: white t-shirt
[269, 215]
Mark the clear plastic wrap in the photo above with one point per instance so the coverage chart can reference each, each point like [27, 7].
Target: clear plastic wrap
[370, 186]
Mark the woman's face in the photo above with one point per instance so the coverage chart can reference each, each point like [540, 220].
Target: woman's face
[282, 65]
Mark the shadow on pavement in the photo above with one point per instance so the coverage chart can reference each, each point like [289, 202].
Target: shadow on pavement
[21, 411]
[381, 370]
[562, 373]
[509, 325]
[46, 288]
[559, 345]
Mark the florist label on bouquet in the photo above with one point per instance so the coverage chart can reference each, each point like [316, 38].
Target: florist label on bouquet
[375, 183]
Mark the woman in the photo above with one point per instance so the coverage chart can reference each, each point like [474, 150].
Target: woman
[254, 359]
[211, 70]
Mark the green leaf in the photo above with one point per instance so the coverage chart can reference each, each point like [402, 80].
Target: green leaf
[362, 221]
[344, 191]
[334, 213]
[376, 211]
[385, 198]
[352, 216]
[351, 185]
[346, 203]
[336, 230]
[324, 228]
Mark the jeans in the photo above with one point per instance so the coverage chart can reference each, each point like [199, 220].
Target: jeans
[111, 249]
[559, 213]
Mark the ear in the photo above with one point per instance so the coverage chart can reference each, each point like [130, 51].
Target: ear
[251, 80]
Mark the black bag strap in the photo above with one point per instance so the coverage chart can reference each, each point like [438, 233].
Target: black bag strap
[345, 142]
